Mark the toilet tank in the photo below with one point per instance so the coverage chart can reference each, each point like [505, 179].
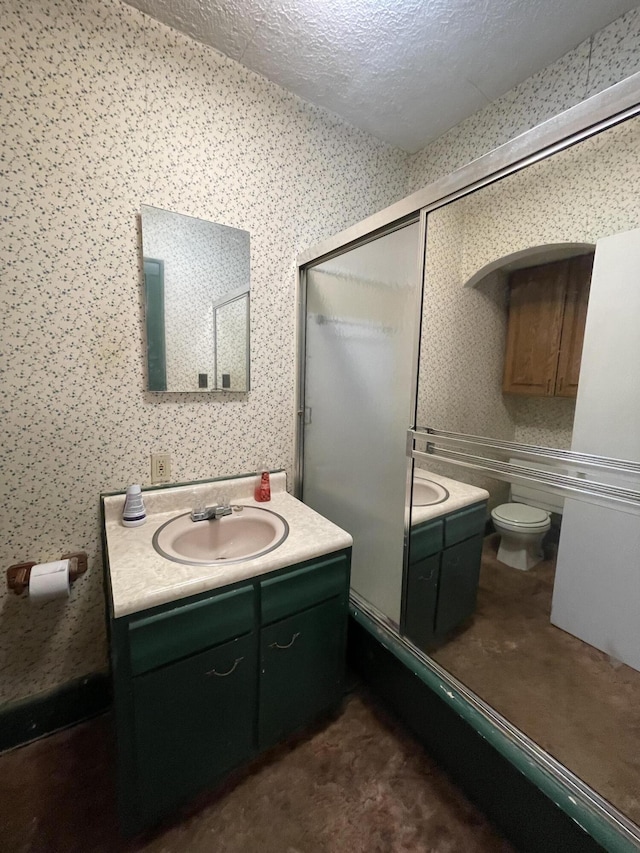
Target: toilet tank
[538, 495]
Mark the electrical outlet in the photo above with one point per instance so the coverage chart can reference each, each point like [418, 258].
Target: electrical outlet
[160, 468]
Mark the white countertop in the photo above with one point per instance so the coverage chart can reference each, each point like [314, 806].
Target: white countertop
[460, 495]
[141, 578]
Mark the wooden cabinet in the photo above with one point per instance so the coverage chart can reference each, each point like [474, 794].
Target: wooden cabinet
[203, 684]
[547, 315]
[574, 321]
[442, 577]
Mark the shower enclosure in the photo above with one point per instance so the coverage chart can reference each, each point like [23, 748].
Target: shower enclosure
[359, 350]
[403, 327]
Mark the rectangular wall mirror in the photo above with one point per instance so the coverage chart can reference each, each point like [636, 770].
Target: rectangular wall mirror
[197, 280]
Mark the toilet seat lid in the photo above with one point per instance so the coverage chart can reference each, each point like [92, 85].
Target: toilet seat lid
[522, 514]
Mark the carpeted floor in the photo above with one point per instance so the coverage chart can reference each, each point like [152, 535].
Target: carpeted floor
[357, 785]
[570, 698]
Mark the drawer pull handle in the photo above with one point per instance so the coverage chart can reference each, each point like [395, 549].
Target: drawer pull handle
[224, 674]
[288, 646]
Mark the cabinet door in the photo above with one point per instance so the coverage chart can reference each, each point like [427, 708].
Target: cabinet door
[422, 594]
[193, 721]
[535, 323]
[575, 318]
[302, 668]
[458, 585]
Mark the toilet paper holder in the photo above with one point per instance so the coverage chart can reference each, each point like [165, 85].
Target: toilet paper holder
[18, 575]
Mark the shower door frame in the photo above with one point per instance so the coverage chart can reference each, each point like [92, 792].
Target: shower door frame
[612, 106]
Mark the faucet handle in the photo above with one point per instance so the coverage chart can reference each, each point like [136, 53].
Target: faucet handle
[198, 503]
[220, 508]
[223, 507]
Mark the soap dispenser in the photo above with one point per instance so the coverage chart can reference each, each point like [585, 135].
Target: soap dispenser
[263, 486]
[134, 513]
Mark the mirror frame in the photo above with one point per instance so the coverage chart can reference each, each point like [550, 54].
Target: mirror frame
[605, 823]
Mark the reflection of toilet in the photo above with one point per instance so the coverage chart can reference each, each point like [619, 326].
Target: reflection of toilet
[523, 524]
[522, 529]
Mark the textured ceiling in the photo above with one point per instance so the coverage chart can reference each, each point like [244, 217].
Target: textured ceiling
[403, 70]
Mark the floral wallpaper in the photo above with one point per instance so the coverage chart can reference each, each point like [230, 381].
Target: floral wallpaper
[607, 57]
[577, 196]
[105, 110]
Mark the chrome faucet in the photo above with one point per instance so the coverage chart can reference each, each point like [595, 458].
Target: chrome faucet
[210, 513]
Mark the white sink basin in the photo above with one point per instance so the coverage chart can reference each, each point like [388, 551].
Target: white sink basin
[247, 533]
[427, 493]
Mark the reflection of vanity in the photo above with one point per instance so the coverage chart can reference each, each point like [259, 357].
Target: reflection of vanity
[213, 664]
[439, 593]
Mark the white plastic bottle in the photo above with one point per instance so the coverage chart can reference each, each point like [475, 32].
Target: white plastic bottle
[134, 513]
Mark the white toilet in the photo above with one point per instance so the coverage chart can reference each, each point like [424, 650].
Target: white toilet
[523, 524]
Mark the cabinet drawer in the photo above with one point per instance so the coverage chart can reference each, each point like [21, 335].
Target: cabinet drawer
[464, 524]
[181, 631]
[297, 590]
[426, 540]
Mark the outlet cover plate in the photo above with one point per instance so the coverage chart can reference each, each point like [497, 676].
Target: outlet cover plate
[160, 468]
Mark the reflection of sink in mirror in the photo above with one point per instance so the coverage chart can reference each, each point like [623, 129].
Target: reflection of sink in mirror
[247, 533]
[427, 493]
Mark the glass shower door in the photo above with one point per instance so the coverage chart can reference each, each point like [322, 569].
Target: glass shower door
[360, 331]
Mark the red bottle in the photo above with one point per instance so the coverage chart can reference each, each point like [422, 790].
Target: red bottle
[263, 486]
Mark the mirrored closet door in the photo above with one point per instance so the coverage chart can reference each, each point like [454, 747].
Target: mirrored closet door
[529, 403]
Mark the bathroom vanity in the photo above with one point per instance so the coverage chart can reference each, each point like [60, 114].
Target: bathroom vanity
[441, 582]
[212, 665]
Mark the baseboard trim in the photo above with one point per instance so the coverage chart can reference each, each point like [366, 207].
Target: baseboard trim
[37, 716]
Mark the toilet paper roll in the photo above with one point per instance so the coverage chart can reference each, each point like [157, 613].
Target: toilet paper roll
[49, 580]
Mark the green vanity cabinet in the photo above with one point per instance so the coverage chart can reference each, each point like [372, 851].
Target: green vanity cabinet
[302, 645]
[193, 722]
[203, 684]
[441, 582]
[458, 583]
[421, 599]
[301, 668]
